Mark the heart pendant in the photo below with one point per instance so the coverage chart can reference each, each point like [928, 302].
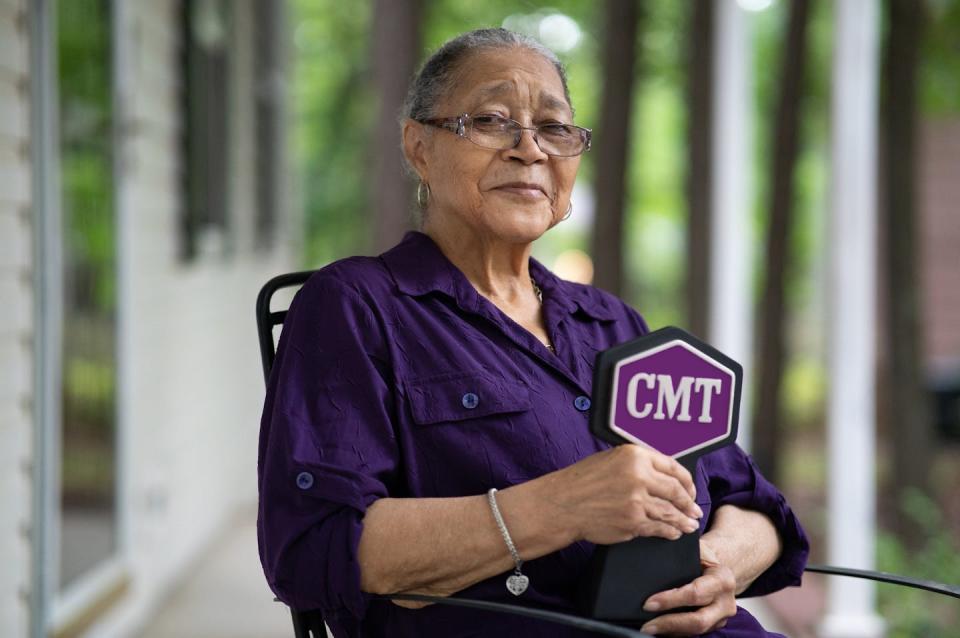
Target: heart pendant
[517, 584]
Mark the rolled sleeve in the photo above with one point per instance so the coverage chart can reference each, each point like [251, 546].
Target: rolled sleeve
[734, 479]
[327, 448]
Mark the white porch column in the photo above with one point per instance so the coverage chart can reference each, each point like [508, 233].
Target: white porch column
[731, 301]
[851, 320]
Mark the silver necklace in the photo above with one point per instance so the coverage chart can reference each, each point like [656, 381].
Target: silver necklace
[539, 294]
[537, 291]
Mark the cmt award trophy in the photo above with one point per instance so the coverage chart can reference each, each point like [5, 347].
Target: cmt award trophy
[672, 392]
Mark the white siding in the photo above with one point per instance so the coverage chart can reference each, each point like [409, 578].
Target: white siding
[16, 323]
[194, 388]
[13, 49]
[190, 382]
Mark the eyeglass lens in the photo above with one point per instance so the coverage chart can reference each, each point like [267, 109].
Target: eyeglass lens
[500, 133]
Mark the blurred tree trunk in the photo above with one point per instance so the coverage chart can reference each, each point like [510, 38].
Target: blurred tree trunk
[700, 41]
[613, 136]
[772, 348]
[396, 52]
[908, 408]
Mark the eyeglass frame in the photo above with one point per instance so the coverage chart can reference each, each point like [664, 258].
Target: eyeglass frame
[461, 131]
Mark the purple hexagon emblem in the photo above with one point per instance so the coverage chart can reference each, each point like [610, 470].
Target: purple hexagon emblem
[668, 390]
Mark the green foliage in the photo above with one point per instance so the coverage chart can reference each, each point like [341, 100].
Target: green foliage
[89, 230]
[656, 214]
[803, 391]
[89, 380]
[912, 612]
[657, 209]
[332, 124]
[940, 62]
[83, 40]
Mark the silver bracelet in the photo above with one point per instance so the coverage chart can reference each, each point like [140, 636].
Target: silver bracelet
[517, 583]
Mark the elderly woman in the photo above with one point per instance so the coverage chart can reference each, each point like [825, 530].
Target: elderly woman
[409, 387]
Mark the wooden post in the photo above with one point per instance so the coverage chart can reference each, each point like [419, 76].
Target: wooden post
[396, 52]
[613, 139]
[700, 89]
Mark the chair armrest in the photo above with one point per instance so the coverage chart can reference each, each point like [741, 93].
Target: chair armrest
[883, 577]
[570, 620]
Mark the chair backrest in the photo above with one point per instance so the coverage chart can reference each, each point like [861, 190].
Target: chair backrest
[304, 622]
[268, 320]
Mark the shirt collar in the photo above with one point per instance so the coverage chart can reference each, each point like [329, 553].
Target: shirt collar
[419, 267]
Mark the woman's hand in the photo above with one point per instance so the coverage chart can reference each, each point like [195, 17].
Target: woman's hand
[714, 593]
[624, 492]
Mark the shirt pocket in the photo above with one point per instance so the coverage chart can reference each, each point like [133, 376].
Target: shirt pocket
[459, 396]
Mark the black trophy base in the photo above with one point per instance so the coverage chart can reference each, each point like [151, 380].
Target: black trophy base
[621, 577]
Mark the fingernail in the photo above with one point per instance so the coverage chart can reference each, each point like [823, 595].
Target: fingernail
[691, 525]
[696, 508]
[649, 629]
[651, 606]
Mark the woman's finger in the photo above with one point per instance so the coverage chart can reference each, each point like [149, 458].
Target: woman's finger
[649, 462]
[713, 584]
[692, 623]
[660, 530]
[670, 489]
[708, 557]
[672, 467]
[665, 511]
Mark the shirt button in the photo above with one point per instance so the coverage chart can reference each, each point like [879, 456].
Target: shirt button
[304, 480]
[582, 403]
[470, 400]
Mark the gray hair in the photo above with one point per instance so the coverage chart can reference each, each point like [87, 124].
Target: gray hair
[437, 74]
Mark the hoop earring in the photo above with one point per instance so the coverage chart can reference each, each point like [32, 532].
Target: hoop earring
[423, 194]
[569, 212]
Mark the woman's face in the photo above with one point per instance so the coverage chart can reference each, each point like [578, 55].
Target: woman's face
[512, 195]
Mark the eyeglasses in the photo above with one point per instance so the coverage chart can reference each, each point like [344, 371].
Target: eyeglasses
[501, 133]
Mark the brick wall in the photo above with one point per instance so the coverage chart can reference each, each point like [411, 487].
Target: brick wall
[939, 195]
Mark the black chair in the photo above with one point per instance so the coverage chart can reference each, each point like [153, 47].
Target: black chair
[310, 623]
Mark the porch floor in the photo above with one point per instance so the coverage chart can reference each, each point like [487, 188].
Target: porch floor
[225, 595]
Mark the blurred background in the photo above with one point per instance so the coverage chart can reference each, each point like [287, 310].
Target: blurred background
[780, 177]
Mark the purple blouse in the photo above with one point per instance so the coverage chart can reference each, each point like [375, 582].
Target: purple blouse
[394, 377]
